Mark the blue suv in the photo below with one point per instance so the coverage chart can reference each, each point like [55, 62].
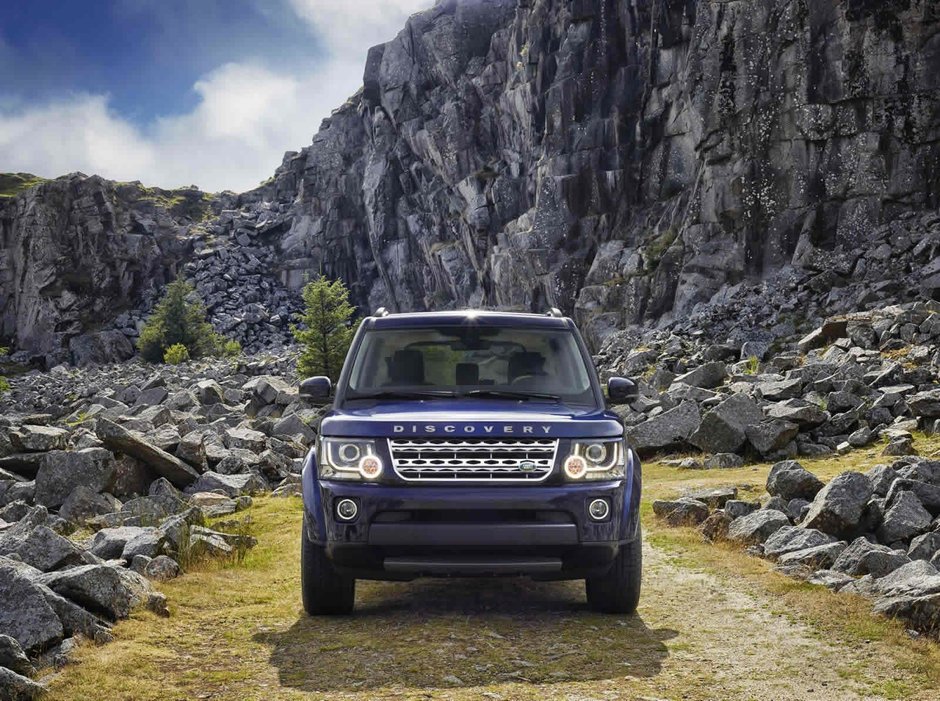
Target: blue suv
[470, 444]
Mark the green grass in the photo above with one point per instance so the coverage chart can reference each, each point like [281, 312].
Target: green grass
[11, 184]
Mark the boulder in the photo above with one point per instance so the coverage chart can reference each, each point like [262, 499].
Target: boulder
[771, 435]
[27, 438]
[681, 512]
[162, 569]
[62, 471]
[25, 615]
[756, 527]
[881, 478]
[109, 543]
[209, 392]
[192, 450]
[900, 445]
[291, 426]
[926, 404]
[736, 508]
[713, 498]
[84, 503]
[13, 658]
[100, 348]
[16, 687]
[707, 376]
[715, 527]
[924, 547]
[120, 439]
[101, 589]
[246, 439]
[790, 480]
[722, 429]
[230, 485]
[928, 494]
[864, 557]
[904, 519]
[670, 429]
[778, 390]
[838, 508]
[797, 411]
[40, 547]
[721, 461]
[792, 538]
[814, 558]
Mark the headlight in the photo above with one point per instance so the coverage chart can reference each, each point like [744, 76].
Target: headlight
[349, 459]
[595, 460]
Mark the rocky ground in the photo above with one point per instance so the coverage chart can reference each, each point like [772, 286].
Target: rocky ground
[117, 477]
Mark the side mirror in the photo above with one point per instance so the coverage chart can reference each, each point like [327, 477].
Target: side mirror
[621, 389]
[316, 389]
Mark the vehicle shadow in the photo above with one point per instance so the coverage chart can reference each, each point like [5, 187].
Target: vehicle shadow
[457, 633]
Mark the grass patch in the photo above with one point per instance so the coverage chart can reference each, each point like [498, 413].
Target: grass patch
[11, 184]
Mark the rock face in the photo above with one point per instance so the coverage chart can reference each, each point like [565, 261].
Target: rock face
[620, 160]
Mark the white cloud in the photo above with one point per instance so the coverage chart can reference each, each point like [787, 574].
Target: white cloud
[352, 26]
[247, 116]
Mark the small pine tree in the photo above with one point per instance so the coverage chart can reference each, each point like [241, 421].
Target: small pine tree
[326, 332]
[176, 354]
[4, 385]
[176, 320]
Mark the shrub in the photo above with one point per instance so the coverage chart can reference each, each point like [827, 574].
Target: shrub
[327, 331]
[176, 354]
[231, 348]
[4, 385]
[178, 320]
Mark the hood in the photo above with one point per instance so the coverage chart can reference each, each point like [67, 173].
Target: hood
[443, 418]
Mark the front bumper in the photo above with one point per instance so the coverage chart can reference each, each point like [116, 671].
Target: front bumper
[406, 531]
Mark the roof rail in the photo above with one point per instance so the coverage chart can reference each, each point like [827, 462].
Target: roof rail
[381, 311]
[554, 311]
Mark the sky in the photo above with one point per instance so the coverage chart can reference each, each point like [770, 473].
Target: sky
[178, 92]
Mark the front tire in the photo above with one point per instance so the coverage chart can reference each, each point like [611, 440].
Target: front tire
[325, 591]
[618, 591]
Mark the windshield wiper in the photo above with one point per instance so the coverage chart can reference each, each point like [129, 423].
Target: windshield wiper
[405, 394]
[510, 394]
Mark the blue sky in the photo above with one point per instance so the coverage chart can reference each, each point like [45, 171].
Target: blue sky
[178, 92]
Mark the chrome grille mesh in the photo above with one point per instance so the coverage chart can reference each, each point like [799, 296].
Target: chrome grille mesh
[473, 459]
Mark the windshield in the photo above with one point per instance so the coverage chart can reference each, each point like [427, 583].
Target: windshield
[472, 361]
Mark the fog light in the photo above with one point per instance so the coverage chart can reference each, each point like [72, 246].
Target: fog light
[370, 467]
[575, 467]
[346, 509]
[599, 509]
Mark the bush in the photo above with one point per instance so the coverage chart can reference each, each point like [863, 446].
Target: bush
[231, 349]
[178, 320]
[327, 331]
[176, 354]
[4, 385]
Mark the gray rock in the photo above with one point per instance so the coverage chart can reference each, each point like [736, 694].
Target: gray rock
[246, 439]
[209, 392]
[110, 543]
[707, 376]
[28, 438]
[790, 480]
[16, 687]
[120, 439]
[791, 538]
[40, 547]
[926, 404]
[829, 578]
[681, 512]
[13, 658]
[814, 558]
[192, 450]
[108, 591]
[900, 445]
[723, 461]
[713, 498]
[839, 507]
[62, 471]
[797, 411]
[736, 508]
[904, 519]
[670, 429]
[24, 613]
[756, 527]
[881, 478]
[863, 557]
[84, 503]
[230, 485]
[162, 569]
[928, 494]
[723, 428]
[924, 547]
[770, 435]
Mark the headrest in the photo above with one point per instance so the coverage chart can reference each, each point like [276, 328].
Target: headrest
[406, 368]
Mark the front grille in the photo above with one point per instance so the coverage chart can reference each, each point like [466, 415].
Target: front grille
[473, 459]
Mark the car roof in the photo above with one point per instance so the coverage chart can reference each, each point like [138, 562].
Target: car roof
[468, 317]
